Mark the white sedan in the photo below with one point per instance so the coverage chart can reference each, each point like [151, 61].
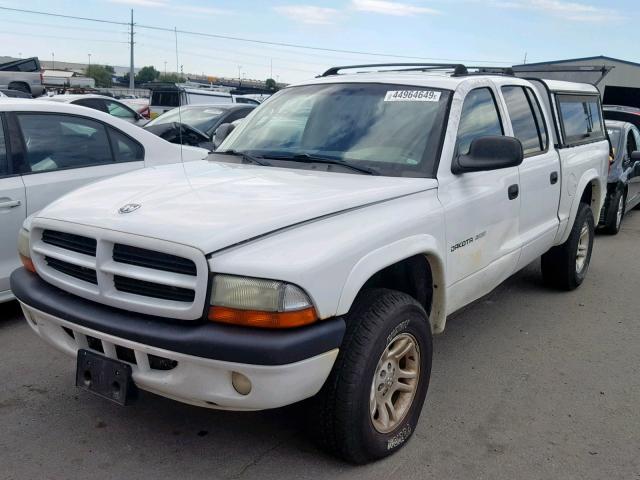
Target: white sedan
[49, 148]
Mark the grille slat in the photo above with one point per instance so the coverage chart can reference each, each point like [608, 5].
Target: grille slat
[151, 259]
[154, 290]
[69, 241]
[76, 271]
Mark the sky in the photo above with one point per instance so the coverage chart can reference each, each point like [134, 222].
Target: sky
[494, 32]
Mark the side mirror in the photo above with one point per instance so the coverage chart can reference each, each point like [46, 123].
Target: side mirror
[635, 156]
[489, 153]
[221, 133]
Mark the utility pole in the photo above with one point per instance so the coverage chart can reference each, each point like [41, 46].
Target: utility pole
[271, 69]
[165, 68]
[525, 57]
[132, 84]
[89, 60]
[53, 61]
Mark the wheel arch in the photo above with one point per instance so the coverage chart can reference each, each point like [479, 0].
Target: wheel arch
[591, 191]
[16, 83]
[412, 265]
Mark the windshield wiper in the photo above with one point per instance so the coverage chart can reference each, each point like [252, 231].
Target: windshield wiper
[308, 158]
[247, 157]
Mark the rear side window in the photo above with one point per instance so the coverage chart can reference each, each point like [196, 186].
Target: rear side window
[55, 142]
[125, 149]
[118, 110]
[526, 124]
[479, 118]
[95, 103]
[581, 119]
[165, 99]
[4, 161]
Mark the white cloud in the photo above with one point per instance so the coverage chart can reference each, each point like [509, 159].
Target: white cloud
[386, 7]
[574, 11]
[309, 14]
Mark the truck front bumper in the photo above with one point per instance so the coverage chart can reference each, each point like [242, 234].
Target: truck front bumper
[192, 362]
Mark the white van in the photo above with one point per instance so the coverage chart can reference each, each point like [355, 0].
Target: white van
[164, 97]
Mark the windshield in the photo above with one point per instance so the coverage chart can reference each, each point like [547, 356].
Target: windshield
[395, 130]
[204, 119]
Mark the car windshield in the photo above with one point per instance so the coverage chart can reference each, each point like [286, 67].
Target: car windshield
[204, 119]
[395, 130]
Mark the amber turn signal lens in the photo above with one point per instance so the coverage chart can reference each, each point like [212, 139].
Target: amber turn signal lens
[254, 318]
[28, 264]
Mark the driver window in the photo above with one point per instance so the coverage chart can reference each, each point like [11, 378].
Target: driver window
[479, 118]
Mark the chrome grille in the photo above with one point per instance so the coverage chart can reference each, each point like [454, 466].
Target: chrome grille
[125, 271]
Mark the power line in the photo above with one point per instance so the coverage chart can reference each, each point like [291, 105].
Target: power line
[249, 40]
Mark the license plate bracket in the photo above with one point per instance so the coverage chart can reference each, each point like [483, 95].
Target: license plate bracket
[105, 377]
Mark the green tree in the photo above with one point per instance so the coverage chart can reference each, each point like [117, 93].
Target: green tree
[110, 69]
[147, 74]
[171, 78]
[271, 84]
[100, 74]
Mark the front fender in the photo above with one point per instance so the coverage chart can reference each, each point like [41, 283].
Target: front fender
[392, 253]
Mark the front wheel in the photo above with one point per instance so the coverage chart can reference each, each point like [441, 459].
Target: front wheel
[371, 402]
[615, 213]
[566, 265]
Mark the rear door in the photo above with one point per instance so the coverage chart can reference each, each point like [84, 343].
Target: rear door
[13, 208]
[62, 152]
[539, 172]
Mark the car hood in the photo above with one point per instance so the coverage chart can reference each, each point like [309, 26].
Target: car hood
[212, 205]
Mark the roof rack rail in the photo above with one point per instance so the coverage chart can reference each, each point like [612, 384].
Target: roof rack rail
[458, 68]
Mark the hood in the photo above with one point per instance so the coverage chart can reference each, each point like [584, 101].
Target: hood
[212, 205]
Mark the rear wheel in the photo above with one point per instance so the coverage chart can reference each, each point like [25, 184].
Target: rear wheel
[20, 87]
[615, 213]
[371, 402]
[566, 265]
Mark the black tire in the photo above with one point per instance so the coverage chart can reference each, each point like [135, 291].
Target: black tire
[341, 421]
[560, 264]
[612, 222]
[20, 87]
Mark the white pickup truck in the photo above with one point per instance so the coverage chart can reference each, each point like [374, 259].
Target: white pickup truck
[315, 254]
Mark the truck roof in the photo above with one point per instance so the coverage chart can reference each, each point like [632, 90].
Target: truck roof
[441, 79]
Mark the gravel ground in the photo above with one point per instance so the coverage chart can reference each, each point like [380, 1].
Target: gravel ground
[528, 383]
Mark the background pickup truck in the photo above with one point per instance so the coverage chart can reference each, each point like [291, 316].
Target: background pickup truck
[24, 75]
[314, 254]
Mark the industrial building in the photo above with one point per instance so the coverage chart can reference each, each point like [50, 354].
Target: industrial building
[619, 82]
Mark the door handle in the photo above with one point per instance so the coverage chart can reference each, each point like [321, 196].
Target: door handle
[10, 204]
[553, 178]
[513, 191]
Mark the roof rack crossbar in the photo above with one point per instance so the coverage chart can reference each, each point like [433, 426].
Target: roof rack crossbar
[458, 68]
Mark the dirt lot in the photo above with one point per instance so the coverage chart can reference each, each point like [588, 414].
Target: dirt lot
[527, 383]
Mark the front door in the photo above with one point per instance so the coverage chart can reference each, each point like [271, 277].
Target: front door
[481, 209]
[13, 207]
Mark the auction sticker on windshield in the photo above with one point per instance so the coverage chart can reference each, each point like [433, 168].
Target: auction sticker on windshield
[412, 96]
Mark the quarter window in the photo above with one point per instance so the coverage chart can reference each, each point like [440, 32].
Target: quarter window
[581, 118]
[125, 149]
[479, 118]
[526, 127]
[55, 142]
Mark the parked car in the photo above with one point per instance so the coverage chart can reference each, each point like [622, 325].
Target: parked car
[314, 256]
[104, 104]
[165, 96]
[48, 149]
[199, 122]
[24, 75]
[623, 187]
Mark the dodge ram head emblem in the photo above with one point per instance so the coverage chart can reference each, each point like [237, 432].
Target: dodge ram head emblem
[129, 207]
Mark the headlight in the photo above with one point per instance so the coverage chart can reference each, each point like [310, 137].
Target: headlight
[258, 302]
[24, 251]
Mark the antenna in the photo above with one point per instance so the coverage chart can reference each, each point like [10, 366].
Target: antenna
[175, 30]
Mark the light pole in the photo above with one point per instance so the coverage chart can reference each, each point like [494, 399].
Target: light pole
[53, 61]
[89, 60]
[165, 68]
[239, 75]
